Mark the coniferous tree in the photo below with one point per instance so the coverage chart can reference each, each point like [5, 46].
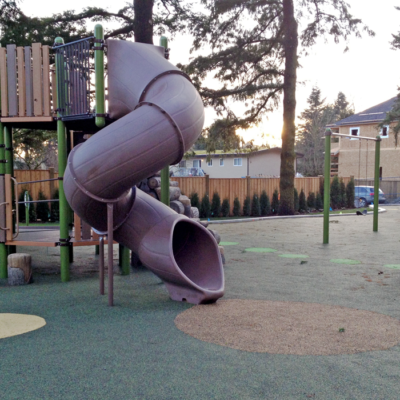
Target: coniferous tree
[302, 201]
[236, 207]
[314, 119]
[311, 200]
[335, 193]
[255, 206]
[55, 207]
[259, 62]
[205, 208]
[247, 206]
[42, 208]
[265, 204]
[194, 200]
[225, 208]
[296, 200]
[275, 202]
[343, 198]
[350, 193]
[215, 205]
[21, 206]
[319, 205]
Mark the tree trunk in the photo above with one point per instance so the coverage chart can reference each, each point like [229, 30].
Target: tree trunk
[286, 185]
[143, 27]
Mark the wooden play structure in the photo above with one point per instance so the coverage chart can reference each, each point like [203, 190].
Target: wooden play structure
[52, 89]
[155, 114]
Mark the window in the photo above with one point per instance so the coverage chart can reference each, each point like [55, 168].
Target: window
[182, 164]
[355, 132]
[209, 162]
[237, 162]
[384, 132]
[221, 162]
[196, 163]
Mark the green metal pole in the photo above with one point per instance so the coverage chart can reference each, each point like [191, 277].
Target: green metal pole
[62, 163]
[376, 182]
[3, 247]
[327, 184]
[165, 170]
[99, 77]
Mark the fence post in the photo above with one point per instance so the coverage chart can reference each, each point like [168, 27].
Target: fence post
[208, 185]
[248, 185]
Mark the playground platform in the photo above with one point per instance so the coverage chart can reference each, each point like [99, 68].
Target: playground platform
[87, 350]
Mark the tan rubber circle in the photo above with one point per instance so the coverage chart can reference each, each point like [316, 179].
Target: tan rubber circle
[289, 327]
[17, 324]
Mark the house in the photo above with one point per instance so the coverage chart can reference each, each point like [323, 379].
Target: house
[258, 164]
[354, 157]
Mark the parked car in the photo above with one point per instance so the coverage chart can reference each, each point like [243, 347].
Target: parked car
[364, 195]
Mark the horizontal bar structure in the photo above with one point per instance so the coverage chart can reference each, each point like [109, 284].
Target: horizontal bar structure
[353, 137]
[26, 88]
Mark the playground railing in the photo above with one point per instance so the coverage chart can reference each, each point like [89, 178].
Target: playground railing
[74, 72]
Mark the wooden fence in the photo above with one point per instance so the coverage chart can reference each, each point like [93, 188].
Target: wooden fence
[241, 187]
[28, 175]
[226, 187]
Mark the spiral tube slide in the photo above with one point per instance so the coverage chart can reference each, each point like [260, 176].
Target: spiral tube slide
[159, 116]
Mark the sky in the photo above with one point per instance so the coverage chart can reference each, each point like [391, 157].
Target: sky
[367, 74]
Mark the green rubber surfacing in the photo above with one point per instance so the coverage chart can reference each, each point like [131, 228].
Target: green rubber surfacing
[260, 250]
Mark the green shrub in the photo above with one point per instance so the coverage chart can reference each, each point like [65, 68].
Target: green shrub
[319, 204]
[343, 197]
[55, 207]
[321, 187]
[42, 209]
[205, 208]
[265, 204]
[350, 193]
[247, 206]
[255, 206]
[335, 193]
[302, 201]
[296, 199]
[215, 205]
[236, 207]
[194, 200]
[275, 202]
[225, 208]
[21, 207]
[311, 200]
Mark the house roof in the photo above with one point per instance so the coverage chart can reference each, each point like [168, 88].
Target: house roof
[241, 154]
[374, 114]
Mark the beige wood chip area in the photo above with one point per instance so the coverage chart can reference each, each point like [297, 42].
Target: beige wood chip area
[289, 327]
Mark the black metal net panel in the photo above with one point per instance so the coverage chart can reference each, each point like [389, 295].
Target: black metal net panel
[73, 68]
